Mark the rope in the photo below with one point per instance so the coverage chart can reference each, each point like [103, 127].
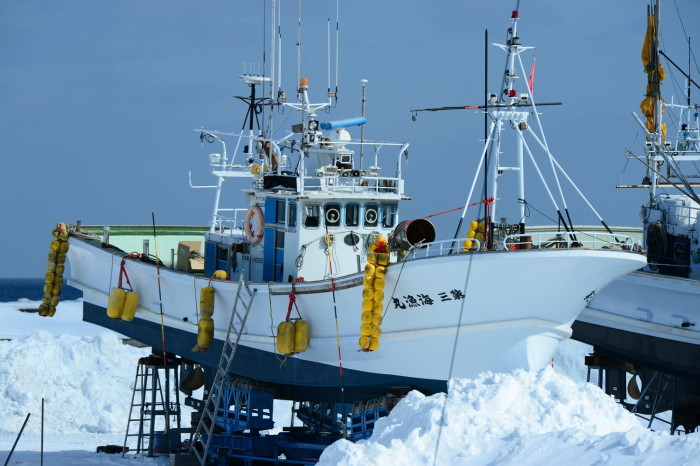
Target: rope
[454, 353]
[337, 329]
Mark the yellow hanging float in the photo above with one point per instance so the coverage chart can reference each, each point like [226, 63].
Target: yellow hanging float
[122, 303]
[54, 271]
[373, 294]
[293, 334]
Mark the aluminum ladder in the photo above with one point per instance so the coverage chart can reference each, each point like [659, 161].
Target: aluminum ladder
[153, 401]
[207, 421]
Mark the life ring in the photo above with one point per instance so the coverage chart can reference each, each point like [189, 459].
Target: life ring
[253, 238]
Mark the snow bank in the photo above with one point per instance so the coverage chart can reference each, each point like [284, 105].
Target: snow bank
[514, 418]
[86, 382]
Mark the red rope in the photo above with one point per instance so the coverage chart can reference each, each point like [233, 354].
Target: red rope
[122, 272]
[293, 299]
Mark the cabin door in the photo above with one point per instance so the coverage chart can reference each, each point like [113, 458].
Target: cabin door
[274, 240]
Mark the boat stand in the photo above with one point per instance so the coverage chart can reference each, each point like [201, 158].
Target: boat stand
[661, 392]
[246, 411]
[151, 405]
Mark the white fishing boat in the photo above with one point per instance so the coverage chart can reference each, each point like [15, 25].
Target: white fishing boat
[647, 323]
[319, 237]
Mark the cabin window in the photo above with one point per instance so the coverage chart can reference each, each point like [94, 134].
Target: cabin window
[352, 215]
[389, 215]
[292, 214]
[333, 215]
[311, 216]
[371, 215]
[279, 212]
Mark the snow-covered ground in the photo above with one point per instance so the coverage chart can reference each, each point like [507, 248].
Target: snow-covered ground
[85, 376]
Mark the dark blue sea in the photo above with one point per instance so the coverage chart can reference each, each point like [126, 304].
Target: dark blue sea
[13, 289]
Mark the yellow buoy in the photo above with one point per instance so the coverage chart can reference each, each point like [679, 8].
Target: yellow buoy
[473, 225]
[301, 335]
[220, 275]
[61, 258]
[43, 309]
[372, 257]
[376, 331]
[367, 305]
[378, 296]
[60, 268]
[49, 278]
[63, 247]
[58, 280]
[367, 317]
[371, 247]
[467, 243]
[479, 237]
[377, 307]
[377, 319]
[364, 342]
[55, 245]
[285, 337]
[374, 344]
[368, 282]
[52, 256]
[51, 267]
[56, 290]
[380, 271]
[52, 311]
[130, 301]
[369, 270]
[205, 332]
[480, 228]
[367, 293]
[115, 303]
[366, 329]
[48, 289]
[54, 300]
[378, 283]
[46, 299]
[206, 301]
[382, 258]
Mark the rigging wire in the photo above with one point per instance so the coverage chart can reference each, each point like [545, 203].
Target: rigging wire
[452, 359]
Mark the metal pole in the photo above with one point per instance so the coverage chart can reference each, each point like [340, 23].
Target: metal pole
[362, 128]
[17, 439]
[42, 433]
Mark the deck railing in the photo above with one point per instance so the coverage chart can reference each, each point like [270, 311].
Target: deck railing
[544, 240]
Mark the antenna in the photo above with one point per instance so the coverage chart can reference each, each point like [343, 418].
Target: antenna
[328, 27]
[299, 45]
[272, 69]
[337, 41]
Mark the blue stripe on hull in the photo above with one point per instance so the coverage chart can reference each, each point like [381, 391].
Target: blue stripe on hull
[295, 380]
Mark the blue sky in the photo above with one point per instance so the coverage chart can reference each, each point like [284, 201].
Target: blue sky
[99, 99]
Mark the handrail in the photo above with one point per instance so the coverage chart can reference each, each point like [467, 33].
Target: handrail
[566, 240]
[544, 240]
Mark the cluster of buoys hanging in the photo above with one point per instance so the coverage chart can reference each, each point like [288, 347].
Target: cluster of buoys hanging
[373, 294]
[205, 326]
[476, 232]
[54, 271]
[292, 336]
[121, 303]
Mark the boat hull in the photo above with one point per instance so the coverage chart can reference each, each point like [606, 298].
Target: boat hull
[648, 319]
[446, 316]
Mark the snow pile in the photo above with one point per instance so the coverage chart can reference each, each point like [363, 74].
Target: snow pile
[514, 418]
[86, 382]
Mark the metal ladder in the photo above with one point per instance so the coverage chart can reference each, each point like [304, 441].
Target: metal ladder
[207, 421]
[151, 402]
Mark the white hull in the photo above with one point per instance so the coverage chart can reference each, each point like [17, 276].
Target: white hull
[647, 319]
[518, 305]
